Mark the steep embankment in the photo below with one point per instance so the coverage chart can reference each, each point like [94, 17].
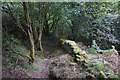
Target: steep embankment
[80, 64]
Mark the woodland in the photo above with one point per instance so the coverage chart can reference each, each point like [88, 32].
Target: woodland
[58, 40]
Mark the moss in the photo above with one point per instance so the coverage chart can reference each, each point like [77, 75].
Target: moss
[73, 64]
[72, 43]
[76, 51]
[93, 71]
[90, 76]
[74, 46]
[63, 41]
[85, 56]
[77, 59]
[114, 76]
[82, 60]
[111, 71]
[87, 61]
[102, 74]
[80, 53]
[78, 56]
[86, 65]
[108, 52]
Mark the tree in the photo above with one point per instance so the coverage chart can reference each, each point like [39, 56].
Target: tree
[30, 32]
[41, 22]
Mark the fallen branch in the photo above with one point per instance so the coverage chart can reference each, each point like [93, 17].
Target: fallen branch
[18, 53]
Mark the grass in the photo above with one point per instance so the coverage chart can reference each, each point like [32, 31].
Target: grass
[28, 66]
[36, 68]
[20, 48]
[37, 60]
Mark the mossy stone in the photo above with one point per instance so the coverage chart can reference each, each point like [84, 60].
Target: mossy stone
[102, 74]
[114, 76]
[74, 46]
[72, 43]
[79, 56]
[77, 59]
[87, 61]
[90, 76]
[82, 60]
[80, 53]
[86, 65]
[93, 71]
[63, 41]
[76, 50]
[85, 56]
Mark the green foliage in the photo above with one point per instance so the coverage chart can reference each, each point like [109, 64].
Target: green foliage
[54, 38]
[10, 57]
[36, 68]
[29, 66]
[114, 76]
[37, 60]
[92, 50]
[20, 48]
[81, 21]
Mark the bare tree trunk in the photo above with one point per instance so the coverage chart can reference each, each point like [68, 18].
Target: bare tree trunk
[35, 28]
[30, 33]
[40, 37]
[40, 30]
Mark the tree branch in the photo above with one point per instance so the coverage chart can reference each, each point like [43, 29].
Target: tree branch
[17, 21]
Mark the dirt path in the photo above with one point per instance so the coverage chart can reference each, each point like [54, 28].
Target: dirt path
[43, 71]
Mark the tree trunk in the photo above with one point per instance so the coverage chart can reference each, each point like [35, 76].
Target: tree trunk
[39, 39]
[34, 27]
[40, 30]
[30, 33]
